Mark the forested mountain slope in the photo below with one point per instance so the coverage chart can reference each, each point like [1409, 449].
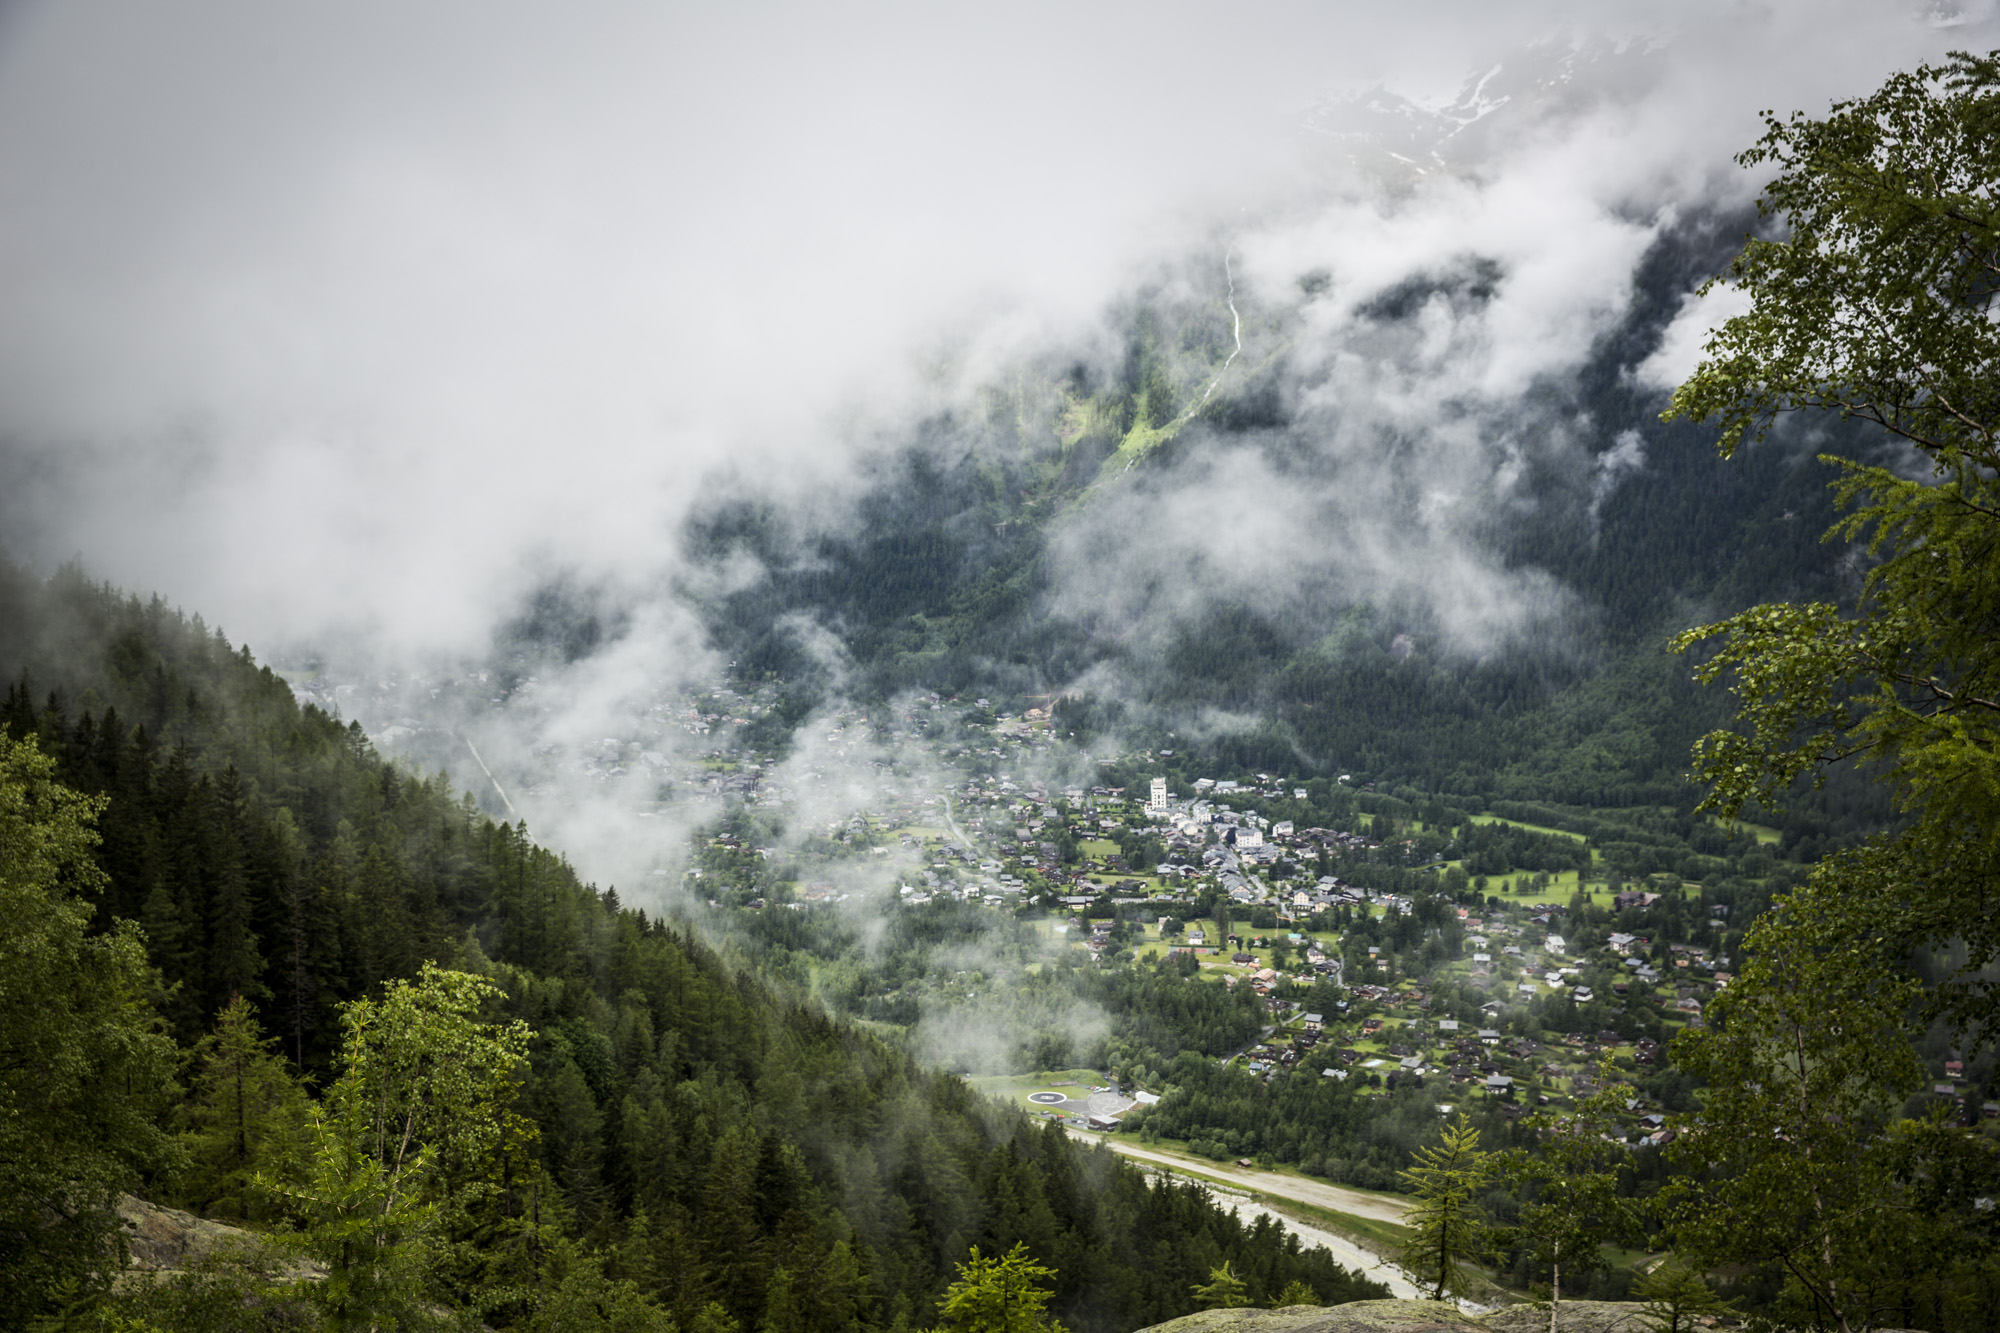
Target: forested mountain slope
[715, 1141]
[1039, 542]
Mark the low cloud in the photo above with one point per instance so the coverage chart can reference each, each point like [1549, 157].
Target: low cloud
[357, 328]
[1627, 454]
[1681, 347]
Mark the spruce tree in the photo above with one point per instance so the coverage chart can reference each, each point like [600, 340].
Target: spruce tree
[1003, 1295]
[1224, 1290]
[246, 1118]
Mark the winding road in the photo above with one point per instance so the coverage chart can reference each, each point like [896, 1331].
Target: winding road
[952, 823]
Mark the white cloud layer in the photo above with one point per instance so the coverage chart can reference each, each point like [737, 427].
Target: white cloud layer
[356, 320]
[1680, 349]
[349, 314]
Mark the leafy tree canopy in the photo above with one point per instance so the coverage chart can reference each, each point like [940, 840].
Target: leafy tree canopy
[84, 1066]
[1876, 299]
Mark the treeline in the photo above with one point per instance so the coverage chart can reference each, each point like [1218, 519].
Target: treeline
[680, 1108]
[1500, 849]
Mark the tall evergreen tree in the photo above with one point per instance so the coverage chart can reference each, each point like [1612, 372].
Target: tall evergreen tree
[1446, 1226]
[246, 1118]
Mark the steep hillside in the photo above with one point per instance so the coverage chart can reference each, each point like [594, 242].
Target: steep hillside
[271, 855]
[1027, 548]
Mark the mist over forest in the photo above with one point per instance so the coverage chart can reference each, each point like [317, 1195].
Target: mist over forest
[986, 433]
[845, 571]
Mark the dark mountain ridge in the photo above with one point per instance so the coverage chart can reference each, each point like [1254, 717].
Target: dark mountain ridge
[951, 571]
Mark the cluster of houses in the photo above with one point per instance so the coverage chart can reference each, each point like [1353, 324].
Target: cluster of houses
[1516, 1071]
[1213, 833]
[1475, 1060]
[1269, 1057]
[1209, 843]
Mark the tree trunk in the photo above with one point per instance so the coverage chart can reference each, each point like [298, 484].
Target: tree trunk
[242, 1120]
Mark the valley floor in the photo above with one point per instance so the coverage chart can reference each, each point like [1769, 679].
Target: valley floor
[1381, 1207]
[1370, 1265]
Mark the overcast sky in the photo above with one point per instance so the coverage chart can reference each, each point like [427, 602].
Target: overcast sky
[356, 314]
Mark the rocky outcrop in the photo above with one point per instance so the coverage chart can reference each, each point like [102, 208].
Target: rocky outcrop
[167, 1240]
[1575, 1317]
[1411, 1317]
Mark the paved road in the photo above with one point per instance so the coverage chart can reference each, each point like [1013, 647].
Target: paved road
[1264, 1182]
[952, 824]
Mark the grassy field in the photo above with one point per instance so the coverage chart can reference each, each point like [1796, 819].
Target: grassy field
[1532, 828]
[1016, 1087]
[1370, 1233]
[1763, 833]
[1191, 1164]
[1154, 946]
[1515, 887]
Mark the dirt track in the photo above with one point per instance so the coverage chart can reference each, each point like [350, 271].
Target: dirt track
[1264, 1182]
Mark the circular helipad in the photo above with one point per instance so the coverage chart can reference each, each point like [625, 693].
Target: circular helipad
[1047, 1098]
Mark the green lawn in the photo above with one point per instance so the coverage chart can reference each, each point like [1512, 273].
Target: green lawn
[1515, 885]
[1532, 828]
[1764, 833]
[1194, 1164]
[1561, 887]
[1016, 1087]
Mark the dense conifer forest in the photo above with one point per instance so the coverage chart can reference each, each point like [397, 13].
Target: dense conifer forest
[720, 1152]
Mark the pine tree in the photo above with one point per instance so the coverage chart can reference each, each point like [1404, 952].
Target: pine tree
[1445, 1225]
[246, 1117]
[584, 1300]
[1296, 1292]
[1223, 1290]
